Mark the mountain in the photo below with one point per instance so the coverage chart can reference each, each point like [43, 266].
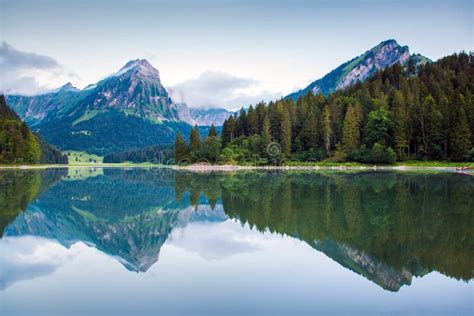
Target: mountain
[360, 68]
[135, 89]
[126, 110]
[131, 109]
[371, 223]
[44, 107]
[19, 145]
[86, 210]
[208, 117]
[203, 116]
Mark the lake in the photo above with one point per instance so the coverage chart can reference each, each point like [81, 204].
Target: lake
[93, 241]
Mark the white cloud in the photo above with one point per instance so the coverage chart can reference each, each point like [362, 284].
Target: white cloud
[215, 241]
[28, 257]
[30, 73]
[221, 89]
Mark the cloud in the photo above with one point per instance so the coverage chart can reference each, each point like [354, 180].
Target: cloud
[28, 257]
[220, 89]
[12, 58]
[29, 73]
[214, 240]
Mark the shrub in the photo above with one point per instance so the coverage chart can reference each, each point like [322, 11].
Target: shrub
[470, 155]
[377, 154]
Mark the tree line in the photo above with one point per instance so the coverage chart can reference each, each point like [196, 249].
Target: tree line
[401, 113]
[19, 145]
[207, 149]
[155, 154]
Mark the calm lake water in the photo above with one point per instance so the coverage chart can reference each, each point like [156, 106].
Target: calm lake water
[161, 242]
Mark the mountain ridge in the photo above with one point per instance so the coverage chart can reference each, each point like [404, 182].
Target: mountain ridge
[131, 109]
[128, 109]
[362, 67]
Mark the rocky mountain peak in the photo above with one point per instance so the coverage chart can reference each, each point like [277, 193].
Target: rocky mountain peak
[139, 68]
[360, 68]
[384, 55]
[65, 88]
[389, 42]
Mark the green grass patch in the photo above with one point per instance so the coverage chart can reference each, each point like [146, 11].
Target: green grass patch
[410, 163]
[87, 215]
[83, 158]
[324, 163]
[417, 163]
[86, 116]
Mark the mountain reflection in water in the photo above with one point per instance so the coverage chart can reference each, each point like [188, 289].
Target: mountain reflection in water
[386, 226]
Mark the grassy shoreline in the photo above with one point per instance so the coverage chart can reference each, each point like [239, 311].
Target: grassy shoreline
[406, 165]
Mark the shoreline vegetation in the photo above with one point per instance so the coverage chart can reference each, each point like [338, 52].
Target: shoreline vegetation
[204, 167]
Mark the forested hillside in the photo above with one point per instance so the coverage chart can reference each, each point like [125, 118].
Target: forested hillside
[398, 114]
[19, 145]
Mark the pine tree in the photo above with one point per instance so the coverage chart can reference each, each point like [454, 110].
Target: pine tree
[310, 132]
[401, 125]
[459, 140]
[285, 131]
[430, 119]
[195, 144]
[212, 131]
[228, 131]
[261, 111]
[252, 121]
[351, 130]
[266, 136]
[242, 124]
[181, 149]
[326, 129]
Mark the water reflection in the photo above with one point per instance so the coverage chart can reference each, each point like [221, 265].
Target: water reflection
[388, 227]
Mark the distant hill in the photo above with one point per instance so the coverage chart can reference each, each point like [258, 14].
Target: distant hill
[203, 116]
[19, 145]
[208, 117]
[360, 68]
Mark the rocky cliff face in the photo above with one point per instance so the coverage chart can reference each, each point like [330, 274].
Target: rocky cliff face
[383, 55]
[361, 68]
[135, 89]
[128, 109]
[44, 107]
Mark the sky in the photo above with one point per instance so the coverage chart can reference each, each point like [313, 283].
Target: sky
[215, 53]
